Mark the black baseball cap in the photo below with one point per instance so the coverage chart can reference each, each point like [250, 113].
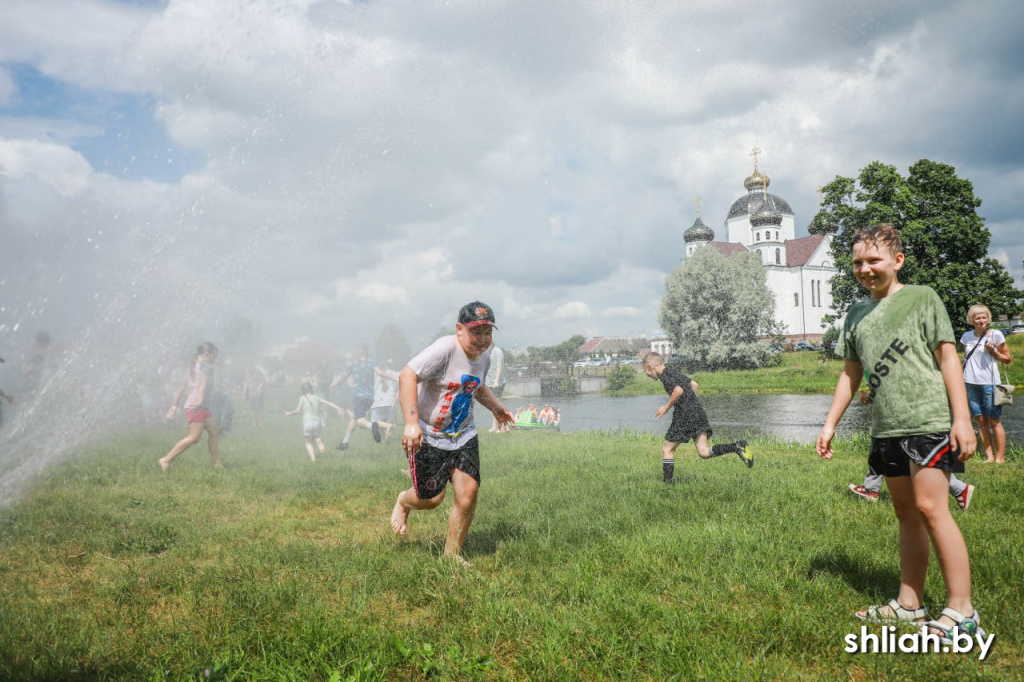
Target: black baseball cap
[475, 314]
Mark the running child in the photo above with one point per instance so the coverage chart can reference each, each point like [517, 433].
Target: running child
[920, 428]
[362, 372]
[198, 388]
[436, 390]
[689, 421]
[311, 406]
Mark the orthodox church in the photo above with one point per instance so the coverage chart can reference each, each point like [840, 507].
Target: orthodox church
[798, 270]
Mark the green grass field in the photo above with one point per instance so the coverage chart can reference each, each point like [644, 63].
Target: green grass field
[584, 566]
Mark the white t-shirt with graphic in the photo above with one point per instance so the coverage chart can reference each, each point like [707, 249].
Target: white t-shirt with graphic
[981, 368]
[448, 383]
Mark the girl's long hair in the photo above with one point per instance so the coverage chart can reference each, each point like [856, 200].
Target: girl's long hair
[204, 348]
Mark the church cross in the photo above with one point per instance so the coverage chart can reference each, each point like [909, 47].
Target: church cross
[697, 199]
[754, 153]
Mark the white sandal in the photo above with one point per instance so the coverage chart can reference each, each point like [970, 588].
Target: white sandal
[968, 625]
[903, 615]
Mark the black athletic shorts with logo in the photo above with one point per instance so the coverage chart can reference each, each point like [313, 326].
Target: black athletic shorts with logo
[892, 456]
[688, 422]
[431, 467]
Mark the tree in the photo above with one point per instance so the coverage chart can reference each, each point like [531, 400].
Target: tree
[716, 309]
[392, 345]
[621, 377]
[944, 239]
[242, 339]
[564, 353]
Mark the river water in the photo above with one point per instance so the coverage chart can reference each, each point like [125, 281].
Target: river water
[787, 417]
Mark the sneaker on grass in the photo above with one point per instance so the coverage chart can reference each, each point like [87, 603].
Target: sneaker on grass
[745, 454]
[963, 500]
[862, 492]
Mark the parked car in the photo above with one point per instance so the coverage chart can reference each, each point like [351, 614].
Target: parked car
[1017, 329]
[803, 345]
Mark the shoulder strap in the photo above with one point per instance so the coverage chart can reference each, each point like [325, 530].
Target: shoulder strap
[980, 342]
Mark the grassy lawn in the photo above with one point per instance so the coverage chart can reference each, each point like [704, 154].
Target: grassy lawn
[585, 566]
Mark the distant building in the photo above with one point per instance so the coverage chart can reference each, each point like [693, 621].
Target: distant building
[798, 270]
[662, 345]
[606, 348]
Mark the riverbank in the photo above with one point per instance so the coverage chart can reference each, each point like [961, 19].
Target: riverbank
[279, 568]
[802, 372]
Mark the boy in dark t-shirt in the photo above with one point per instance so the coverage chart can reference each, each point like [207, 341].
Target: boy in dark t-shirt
[689, 422]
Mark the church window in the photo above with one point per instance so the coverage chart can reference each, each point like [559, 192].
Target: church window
[758, 236]
[814, 299]
[819, 293]
[778, 256]
[776, 235]
[796, 300]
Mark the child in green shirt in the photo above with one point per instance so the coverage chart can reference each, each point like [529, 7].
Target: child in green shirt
[921, 425]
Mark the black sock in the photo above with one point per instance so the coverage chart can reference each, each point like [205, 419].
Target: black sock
[723, 449]
[668, 467]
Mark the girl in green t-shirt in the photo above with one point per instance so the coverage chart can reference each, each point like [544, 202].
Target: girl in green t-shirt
[311, 406]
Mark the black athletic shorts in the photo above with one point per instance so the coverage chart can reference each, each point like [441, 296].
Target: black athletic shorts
[892, 456]
[688, 424]
[431, 467]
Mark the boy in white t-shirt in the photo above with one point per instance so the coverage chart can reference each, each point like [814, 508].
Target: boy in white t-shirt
[436, 391]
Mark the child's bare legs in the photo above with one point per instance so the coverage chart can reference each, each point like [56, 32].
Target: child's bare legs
[319, 445]
[913, 541]
[986, 438]
[701, 443]
[309, 447]
[213, 441]
[930, 489]
[463, 510]
[406, 502]
[195, 432]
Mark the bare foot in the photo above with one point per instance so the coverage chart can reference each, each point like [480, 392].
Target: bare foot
[458, 559]
[399, 517]
[220, 466]
[164, 465]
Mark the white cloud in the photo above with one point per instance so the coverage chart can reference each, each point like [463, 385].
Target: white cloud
[622, 312]
[371, 161]
[573, 310]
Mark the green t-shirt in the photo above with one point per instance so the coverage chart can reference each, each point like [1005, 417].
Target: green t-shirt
[310, 407]
[894, 339]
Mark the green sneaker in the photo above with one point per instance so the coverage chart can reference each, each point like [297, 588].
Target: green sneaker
[745, 454]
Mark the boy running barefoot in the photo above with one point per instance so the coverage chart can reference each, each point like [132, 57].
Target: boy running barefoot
[688, 418]
[436, 391]
[921, 425]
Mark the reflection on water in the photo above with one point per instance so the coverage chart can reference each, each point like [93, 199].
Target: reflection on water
[789, 417]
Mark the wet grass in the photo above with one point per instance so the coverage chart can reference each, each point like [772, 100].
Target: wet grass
[585, 566]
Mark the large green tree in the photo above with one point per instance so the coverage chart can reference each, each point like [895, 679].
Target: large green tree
[717, 309]
[944, 239]
[392, 345]
[564, 353]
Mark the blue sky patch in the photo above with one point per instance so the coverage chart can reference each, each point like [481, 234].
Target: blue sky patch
[124, 138]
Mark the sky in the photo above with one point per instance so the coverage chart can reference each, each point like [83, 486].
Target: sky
[327, 167]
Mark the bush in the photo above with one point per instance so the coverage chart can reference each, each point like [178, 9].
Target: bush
[621, 377]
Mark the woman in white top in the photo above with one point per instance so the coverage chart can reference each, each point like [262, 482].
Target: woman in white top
[984, 347]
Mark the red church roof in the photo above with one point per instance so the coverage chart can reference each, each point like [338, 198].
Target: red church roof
[728, 248]
[799, 251]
